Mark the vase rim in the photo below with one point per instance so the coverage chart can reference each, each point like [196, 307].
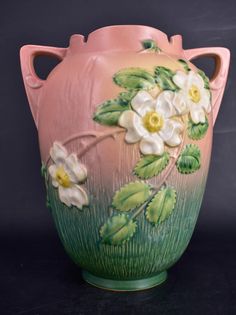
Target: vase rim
[127, 27]
[120, 37]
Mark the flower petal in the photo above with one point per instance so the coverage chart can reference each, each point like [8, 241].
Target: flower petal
[75, 169]
[206, 100]
[170, 133]
[180, 103]
[132, 122]
[197, 114]
[81, 172]
[55, 183]
[52, 170]
[142, 103]
[152, 144]
[73, 195]
[196, 79]
[64, 195]
[164, 104]
[180, 79]
[175, 140]
[58, 153]
[79, 197]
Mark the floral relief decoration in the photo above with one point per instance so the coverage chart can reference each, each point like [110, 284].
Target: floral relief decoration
[156, 109]
[67, 173]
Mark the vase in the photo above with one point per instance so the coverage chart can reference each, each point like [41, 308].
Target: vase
[125, 124]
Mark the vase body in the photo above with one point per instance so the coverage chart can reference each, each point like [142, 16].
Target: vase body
[120, 242]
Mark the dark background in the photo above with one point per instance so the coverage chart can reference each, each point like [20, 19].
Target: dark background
[36, 276]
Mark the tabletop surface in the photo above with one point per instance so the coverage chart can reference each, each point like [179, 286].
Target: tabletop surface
[38, 278]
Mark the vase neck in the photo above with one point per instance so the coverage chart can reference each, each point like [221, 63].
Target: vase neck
[125, 38]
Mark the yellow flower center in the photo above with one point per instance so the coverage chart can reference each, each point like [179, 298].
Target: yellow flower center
[153, 121]
[62, 177]
[194, 94]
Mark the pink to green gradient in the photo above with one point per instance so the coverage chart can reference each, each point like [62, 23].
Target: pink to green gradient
[63, 106]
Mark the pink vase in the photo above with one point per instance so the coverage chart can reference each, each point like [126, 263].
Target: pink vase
[125, 124]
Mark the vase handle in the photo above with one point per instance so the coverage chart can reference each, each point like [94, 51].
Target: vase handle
[33, 84]
[218, 81]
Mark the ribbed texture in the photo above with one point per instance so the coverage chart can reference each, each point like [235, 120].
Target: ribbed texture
[153, 248]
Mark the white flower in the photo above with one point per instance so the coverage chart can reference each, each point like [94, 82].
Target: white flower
[194, 94]
[66, 173]
[149, 122]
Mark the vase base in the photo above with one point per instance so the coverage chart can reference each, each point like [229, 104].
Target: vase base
[124, 285]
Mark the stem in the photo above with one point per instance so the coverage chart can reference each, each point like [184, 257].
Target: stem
[99, 139]
[141, 208]
[100, 136]
[80, 135]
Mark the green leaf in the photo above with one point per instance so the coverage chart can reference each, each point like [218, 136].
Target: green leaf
[43, 170]
[134, 79]
[189, 159]
[151, 165]
[131, 195]
[197, 131]
[184, 64]
[164, 77]
[126, 97]
[108, 113]
[150, 44]
[205, 79]
[118, 230]
[161, 206]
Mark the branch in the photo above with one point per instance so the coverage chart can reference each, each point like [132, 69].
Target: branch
[100, 136]
[99, 139]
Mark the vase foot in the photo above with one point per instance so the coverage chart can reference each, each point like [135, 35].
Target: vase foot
[124, 285]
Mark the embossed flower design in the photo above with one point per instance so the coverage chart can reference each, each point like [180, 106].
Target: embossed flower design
[156, 122]
[194, 94]
[66, 173]
[151, 121]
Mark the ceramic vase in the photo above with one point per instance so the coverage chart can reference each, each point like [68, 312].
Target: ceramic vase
[125, 125]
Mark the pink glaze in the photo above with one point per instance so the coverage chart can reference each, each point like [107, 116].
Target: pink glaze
[64, 103]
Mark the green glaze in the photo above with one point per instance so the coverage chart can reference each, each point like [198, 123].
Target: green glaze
[127, 239]
[151, 45]
[128, 285]
[135, 79]
[118, 229]
[189, 160]
[164, 79]
[131, 196]
[197, 131]
[184, 64]
[161, 206]
[108, 113]
[152, 249]
[151, 165]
